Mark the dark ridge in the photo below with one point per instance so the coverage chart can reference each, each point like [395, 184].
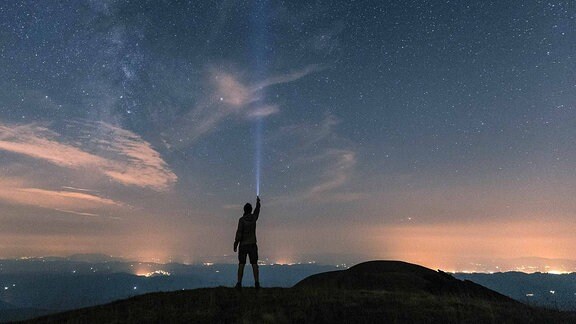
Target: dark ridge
[402, 277]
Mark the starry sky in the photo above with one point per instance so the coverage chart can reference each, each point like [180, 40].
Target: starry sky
[437, 132]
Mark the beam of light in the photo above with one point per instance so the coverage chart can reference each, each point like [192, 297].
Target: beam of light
[258, 153]
[259, 41]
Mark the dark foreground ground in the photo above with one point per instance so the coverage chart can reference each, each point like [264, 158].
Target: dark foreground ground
[371, 292]
[291, 305]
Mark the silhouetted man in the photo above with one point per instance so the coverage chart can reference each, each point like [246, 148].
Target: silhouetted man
[246, 238]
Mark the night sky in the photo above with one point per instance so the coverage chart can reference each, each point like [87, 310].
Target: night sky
[437, 132]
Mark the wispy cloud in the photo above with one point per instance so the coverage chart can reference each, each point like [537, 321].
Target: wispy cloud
[78, 189]
[231, 91]
[77, 213]
[18, 192]
[133, 161]
[52, 195]
[41, 143]
[263, 111]
[339, 164]
[230, 96]
[114, 152]
[327, 161]
[309, 135]
[288, 77]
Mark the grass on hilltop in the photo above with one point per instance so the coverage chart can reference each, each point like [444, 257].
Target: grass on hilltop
[290, 305]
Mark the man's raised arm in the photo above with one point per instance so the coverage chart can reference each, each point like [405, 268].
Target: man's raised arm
[257, 209]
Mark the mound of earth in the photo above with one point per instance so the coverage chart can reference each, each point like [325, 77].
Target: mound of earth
[402, 277]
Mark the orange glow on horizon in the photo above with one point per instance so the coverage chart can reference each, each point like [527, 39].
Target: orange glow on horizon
[453, 247]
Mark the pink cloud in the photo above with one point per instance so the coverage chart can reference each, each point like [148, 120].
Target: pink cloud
[138, 163]
[110, 150]
[263, 111]
[16, 192]
[231, 91]
[41, 143]
[230, 96]
[39, 194]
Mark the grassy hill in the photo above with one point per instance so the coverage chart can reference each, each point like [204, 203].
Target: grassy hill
[400, 277]
[377, 291]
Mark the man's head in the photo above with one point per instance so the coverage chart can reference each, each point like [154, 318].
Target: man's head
[247, 208]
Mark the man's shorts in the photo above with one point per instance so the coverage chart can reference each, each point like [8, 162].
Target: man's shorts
[250, 250]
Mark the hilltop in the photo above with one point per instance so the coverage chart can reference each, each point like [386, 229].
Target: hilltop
[400, 277]
[376, 291]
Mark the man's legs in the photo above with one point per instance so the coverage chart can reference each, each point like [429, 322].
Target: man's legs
[240, 275]
[253, 254]
[241, 263]
[256, 275]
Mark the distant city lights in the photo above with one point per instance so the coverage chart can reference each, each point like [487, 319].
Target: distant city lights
[154, 273]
